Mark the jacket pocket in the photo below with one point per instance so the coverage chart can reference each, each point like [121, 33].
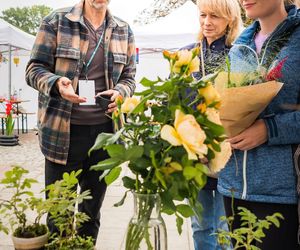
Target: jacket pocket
[120, 58]
[119, 61]
[67, 61]
[67, 52]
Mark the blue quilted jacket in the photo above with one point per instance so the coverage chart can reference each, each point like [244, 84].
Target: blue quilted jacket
[270, 173]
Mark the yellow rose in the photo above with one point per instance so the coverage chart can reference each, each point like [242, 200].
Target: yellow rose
[210, 94]
[129, 104]
[213, 115]
[186, 58]
[194, 66]
[221, 158]
[183, 58]
[188, 133]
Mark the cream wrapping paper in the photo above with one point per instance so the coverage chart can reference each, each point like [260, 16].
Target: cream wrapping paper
[240, 106]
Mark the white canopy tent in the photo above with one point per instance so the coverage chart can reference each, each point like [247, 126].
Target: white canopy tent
[172, 32]
[12, 39]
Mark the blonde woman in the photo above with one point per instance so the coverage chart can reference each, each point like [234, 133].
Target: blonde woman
[268, 183]
[220, 24]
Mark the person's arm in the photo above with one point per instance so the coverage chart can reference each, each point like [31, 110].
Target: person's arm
[41, 67]
[126, 83]
[284, 128]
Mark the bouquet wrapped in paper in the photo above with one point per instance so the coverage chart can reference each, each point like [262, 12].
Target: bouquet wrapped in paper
[245, 89]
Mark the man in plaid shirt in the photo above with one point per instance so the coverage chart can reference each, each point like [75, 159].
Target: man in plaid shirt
[79, 50]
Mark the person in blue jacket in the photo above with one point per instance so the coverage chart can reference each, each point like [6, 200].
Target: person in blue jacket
[220, 24]
[267, 181]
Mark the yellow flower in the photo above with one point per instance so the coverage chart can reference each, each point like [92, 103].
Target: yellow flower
[188, 133]
[213, 115]
[129, 104]
[115, 114]
[119, 100]
[221, 158]
[202, 107]
[186, 58]
[210, 95]
[169, 55]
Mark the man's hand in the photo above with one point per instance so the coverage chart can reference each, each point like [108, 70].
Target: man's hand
[65, 88]
[250, 138]
[113, 95]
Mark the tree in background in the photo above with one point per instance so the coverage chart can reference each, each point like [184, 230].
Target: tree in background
[161, 8]
[27, 19]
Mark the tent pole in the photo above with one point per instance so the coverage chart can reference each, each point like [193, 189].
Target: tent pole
[9, 71]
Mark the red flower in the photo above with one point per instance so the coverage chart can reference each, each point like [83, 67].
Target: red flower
[8, 108]
[276, 72]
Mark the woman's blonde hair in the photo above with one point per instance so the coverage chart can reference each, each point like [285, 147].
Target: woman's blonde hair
[228, 9]
[295, 2]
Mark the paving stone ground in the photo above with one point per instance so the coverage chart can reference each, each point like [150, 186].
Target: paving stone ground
[113, 220]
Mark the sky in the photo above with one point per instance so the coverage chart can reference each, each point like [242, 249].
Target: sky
[125, 9]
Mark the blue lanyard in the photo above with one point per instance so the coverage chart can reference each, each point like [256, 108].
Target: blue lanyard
[94, 52]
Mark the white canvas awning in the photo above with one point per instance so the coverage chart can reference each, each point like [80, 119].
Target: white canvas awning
[12, 38]
[174, 31]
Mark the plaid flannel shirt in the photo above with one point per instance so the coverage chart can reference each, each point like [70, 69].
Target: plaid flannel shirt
[59, 50]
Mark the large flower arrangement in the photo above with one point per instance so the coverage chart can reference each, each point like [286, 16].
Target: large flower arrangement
[170, 138]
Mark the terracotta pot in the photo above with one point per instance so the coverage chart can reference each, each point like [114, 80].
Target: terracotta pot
[30, 243]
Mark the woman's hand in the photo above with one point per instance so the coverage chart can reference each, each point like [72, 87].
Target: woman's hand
[251, 137]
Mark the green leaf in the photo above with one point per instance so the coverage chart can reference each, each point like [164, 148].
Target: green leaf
[215, 129]
[201, 179]
[185, 210]
[134, 152]
[189, 172]
[121, 202]
[100, 141]
[143, 93]
[147, 83]
[167, 201]
[141, 106]
[160, 178]
[115, 137]
[141, 163]
[105, 172]
[116, 151]
[274, 220]
[179, 223]
[202, 168]
[113, 175]
[128, 182]
[106, 164]
[167, 86]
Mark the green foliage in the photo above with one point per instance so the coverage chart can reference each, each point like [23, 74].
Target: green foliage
[20, 201]
[27, 19]
[252, 229]
[61, 202]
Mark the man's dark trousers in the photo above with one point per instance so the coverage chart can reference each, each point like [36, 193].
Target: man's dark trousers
[82, 138]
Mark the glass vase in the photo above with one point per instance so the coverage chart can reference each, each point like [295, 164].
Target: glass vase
[146, 229]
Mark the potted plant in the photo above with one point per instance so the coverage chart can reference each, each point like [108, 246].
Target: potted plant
[171, 134]
[61, 203]
[250, 233]
[14, 210]
[9, 139]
